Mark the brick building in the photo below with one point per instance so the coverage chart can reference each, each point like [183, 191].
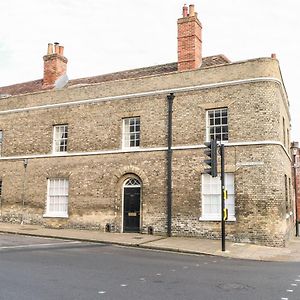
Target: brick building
[117, 152]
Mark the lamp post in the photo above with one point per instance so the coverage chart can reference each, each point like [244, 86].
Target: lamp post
[25, 164]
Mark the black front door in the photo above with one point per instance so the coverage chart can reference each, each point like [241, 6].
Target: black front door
[132, 209]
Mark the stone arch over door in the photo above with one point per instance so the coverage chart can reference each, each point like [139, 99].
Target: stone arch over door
[120, 173]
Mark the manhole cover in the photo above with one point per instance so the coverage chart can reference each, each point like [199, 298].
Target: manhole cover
[233, 286]
[137, 237]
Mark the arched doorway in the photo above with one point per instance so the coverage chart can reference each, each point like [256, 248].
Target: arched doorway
[131, 205]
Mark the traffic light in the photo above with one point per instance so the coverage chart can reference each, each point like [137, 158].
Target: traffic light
[211, 152]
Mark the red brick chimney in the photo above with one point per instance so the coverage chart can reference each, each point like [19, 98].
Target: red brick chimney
[189, 40]
[55, 64]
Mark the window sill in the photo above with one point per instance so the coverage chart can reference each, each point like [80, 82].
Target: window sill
[47, 215]
[222, 142]
[60, 152]
[130, 148]
[216, 219]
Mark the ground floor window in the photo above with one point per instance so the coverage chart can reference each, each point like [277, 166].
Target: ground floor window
[211, 197]
[57, 198]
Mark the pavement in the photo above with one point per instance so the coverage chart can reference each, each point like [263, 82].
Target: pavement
[190, 245]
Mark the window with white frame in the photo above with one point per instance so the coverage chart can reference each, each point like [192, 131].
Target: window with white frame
[131, 132]
[1, 139]
[60, 138]
[217, 124]
[57, 198]
[211, 197]
[286, 193]
[283, 130]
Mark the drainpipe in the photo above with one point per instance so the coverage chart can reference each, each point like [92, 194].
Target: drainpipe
[295, 152]
[170, 99]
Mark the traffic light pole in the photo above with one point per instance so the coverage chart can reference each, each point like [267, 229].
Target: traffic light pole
[222, 153]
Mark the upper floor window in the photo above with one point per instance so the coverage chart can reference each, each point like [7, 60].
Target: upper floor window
[0, 188]
[217, 124]
[57, 198]
[60, 138]
[131, 132]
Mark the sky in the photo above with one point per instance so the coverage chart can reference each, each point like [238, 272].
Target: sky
[103, 36]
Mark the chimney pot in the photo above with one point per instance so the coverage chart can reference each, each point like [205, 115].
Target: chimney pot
[184, 11]
[50, 49]
[61, 50]
[56, 46]
[191, 10]
[273, 55]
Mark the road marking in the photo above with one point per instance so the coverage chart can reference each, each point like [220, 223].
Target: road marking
[39, 245]
[185, 267]
[298, 280]
[173, 270]
[158, 274]
[294, 284]
[142, 279]
[124, 285]
[284, 298]
[101, 292]
[290, 291]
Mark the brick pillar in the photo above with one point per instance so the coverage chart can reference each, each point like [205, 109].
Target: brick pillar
[55, 64]
[189, 40]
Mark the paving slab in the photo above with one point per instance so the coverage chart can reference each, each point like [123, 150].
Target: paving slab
[128, 239]
[190, 245]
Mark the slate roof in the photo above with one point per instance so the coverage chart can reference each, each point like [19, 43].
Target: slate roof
[36, 85]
